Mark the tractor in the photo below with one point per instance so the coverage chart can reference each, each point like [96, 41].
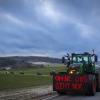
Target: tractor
[82, 75]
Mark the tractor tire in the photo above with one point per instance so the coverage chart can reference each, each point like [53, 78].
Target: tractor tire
[92, 87]
[97, 81]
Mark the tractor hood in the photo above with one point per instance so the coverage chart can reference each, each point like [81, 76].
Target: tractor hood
[74, 68]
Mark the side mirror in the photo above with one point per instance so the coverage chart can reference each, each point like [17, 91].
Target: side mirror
[96, 58]
[63, 59]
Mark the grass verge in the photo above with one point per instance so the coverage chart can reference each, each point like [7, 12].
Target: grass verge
[28, 79]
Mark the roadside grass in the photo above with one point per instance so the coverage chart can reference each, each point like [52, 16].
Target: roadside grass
[22, 78]
[22, 81]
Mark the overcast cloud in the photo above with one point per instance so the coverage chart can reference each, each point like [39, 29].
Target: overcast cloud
[49, 27]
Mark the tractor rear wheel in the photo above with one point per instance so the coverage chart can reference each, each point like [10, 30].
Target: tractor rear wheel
[92, 88]
[98, 82]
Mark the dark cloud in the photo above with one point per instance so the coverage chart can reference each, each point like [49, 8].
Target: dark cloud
[48, 27]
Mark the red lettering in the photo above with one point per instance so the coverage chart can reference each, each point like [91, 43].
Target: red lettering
[66, 78]
[57, 78]
[79, 86]
[76, 86]
[62, 78]
[83, 79]
[59, 86]
[67, 86]
[56, 86]
[70, 82]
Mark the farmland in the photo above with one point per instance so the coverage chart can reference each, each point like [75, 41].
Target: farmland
[27, 77]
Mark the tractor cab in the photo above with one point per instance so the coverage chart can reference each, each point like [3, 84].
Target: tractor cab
[81, 63]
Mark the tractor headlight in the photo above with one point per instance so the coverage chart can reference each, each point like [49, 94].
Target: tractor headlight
[72, 71]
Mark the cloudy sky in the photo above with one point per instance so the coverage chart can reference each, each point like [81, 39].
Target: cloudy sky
[49, 27]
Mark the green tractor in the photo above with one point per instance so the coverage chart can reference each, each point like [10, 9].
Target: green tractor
[81, 75]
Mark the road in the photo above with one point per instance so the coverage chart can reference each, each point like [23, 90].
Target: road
[26, 93]
[74, 97]
[38, 94]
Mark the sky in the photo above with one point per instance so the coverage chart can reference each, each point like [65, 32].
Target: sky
[49, 27]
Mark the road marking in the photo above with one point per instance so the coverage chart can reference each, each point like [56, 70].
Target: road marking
[51, 97]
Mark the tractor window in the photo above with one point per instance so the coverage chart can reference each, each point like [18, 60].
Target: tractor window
[92, 59]
[85, 58]
[74, 59]
[79, 59]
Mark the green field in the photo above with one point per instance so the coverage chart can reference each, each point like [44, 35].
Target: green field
[28, 77]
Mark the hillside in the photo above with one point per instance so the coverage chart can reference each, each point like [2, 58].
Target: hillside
[24, 61]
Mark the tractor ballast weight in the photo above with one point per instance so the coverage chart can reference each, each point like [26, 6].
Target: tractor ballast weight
[81, 75]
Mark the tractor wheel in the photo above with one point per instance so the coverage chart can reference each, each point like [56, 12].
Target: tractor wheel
[98, 85]
[92, 88]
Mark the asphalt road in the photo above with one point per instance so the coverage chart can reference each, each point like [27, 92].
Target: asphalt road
[75, 97]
